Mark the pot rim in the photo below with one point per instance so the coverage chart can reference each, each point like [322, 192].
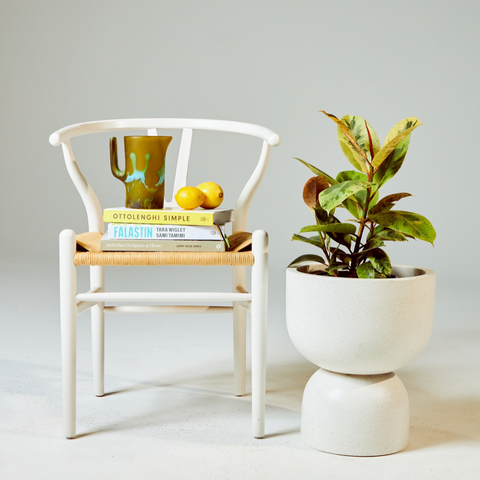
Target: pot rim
[417, 272]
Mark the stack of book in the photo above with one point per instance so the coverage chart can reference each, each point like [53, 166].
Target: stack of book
[169, 230]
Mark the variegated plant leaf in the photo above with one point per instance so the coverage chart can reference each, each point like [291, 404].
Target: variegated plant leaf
[333, 227]
[348, 143]
[307, 258]
[343, 257]
[365, 137]
[366, 270]
[342, 238]
[406, 222]
[348, 175]
[391, 235]
[372, 244]
[387, 203]
[395, 137]
[336, 266]
[352, 203]
[380, 261]
[317, 171]
[323, 217]
[355, 203]
[315, 241]
[394, 161]
[336, 194]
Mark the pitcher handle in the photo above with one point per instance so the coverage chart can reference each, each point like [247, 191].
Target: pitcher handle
[120, 174]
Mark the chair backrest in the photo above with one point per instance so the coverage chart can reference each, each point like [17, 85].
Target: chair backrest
[152, 125]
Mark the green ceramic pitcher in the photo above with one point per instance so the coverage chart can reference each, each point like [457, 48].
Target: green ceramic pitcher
[144, 174]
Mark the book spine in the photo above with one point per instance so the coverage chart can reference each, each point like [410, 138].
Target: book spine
[158, 217]
[129, 231]
[162, 246]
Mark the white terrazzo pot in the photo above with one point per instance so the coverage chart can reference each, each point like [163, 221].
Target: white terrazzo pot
[360, 326]
[358, 331]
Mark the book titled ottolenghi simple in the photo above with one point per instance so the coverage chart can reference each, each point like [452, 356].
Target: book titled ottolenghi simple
[168, 216]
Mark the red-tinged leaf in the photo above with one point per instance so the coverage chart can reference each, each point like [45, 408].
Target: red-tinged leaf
[312, 189]
[387, 203]
[306, 258]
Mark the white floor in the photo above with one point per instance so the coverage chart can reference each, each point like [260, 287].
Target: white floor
[170, 412]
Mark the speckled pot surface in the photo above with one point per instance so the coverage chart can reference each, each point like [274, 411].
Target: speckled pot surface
[360, 326]
[360, 415]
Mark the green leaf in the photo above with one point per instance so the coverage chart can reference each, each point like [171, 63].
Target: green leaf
[323, 217]
[341, 255]
[315, 241]
[392, 164]
[351, 175]
[353, 207]
[335, 266]
[317, 171]
[407, 222]
[355, 203]
[332, 227]
[395, 137]
[366, 270]
[307, 258]
[387, 203]
[371, 244]
[380, 261]
[327, 242]
[391, 235]
[341, 238]
[336, 194]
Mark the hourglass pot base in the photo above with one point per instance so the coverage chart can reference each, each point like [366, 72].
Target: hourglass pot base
[358, 415]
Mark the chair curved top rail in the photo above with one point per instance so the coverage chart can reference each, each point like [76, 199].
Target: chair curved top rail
[90, 200]
[66, 133]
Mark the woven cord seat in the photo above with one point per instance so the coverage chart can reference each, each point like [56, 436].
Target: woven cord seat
[106, 259]
[89, 253]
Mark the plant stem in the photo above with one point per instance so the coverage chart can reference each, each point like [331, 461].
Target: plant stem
[324, 248]
[363, 220]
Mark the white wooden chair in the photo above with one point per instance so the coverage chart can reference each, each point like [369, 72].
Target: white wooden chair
[255, 302]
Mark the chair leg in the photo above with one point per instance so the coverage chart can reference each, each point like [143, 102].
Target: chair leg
[259, 330]
[239, 333]
[68, 319]
[97, 280]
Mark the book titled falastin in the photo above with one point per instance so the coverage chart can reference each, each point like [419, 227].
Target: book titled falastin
[136, 231]
[170, 216]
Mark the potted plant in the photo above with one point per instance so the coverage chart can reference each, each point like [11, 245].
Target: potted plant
[349, 310]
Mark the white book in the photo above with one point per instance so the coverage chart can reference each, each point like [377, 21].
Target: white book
[136, 245]
[128, 231]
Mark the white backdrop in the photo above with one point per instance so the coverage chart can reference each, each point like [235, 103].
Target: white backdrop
[266, 62]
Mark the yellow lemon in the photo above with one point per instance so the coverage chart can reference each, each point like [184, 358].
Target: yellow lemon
[213, 194]
[189, 198]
